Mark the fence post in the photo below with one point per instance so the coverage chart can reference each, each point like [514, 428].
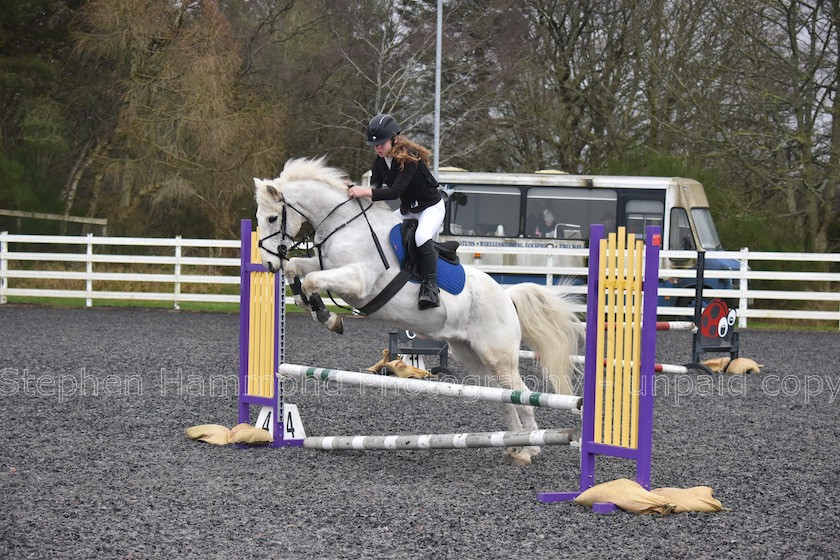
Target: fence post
[743, 287]
[89, 271]
[4, 265]
[177, 270]
[549, 262]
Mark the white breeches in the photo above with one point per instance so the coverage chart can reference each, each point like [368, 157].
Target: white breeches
[428, 221]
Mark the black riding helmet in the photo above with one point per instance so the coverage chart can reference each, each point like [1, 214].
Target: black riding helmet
[381, 129]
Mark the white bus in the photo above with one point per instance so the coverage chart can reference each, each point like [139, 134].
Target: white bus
[519, 210]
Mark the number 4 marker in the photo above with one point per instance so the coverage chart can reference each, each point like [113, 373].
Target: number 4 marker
[292, 424]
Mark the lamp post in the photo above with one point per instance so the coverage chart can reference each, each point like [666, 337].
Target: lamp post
[437, 87]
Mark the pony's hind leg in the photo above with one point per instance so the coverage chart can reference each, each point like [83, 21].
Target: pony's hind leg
[504, 367]
[528, 419]
[521, 416]
[517, 418]
[521, 456]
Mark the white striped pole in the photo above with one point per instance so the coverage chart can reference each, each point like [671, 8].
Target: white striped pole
[658, 368]
[666, 325]
[675, 326]
[444, 441]
[475, 392]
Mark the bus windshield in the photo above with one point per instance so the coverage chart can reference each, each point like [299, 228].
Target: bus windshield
[706, 231]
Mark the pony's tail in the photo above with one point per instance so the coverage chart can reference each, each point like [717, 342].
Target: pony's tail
[550, 329]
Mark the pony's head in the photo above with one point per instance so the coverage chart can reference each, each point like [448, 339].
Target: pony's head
[277, 225]
[280, 220]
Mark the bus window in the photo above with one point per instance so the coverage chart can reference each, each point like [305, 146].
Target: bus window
[567, 213]
[706, 231]
[642, 213]
[680, 237]
[488, 211]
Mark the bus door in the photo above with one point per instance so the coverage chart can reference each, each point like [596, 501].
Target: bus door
[681, 237]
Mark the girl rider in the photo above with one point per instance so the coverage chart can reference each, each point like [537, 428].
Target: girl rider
[401, 170]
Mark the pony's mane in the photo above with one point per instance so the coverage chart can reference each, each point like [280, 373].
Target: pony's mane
[298, 169]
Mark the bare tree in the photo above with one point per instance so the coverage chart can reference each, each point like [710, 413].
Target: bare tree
[565, 108]
[386, 63]
[764, 109]
[184, 132]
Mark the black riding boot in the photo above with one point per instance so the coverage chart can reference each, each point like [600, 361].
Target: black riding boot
[429, 293]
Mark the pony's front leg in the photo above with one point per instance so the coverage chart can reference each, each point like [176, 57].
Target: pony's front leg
[295, 269]
[298, 268]
[346, 281]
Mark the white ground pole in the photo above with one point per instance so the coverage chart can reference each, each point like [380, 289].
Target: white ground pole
[421, 386]
[445, 441]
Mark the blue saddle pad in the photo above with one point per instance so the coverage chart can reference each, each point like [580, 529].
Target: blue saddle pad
[450, 277]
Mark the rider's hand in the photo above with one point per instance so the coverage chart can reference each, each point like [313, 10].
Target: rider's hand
[358, 192]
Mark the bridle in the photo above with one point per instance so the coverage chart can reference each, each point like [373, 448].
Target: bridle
[283, 249]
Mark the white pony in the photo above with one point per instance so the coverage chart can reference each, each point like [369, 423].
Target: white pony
[484, 324]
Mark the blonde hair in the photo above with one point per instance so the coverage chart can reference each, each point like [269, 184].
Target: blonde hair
[405, 150]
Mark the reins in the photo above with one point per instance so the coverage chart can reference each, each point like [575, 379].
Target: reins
[362, 212]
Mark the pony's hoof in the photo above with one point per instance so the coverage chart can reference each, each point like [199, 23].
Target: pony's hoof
[518, 456]
[335, 324]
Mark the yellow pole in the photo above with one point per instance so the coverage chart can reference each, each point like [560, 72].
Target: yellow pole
[599, 346]
[609, 374]
[637, 343]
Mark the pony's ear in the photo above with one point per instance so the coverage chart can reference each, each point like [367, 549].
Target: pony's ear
[269, 188]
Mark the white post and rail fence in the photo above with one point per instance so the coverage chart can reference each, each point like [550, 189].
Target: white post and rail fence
[769, 285]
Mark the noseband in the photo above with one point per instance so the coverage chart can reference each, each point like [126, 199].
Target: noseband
[282, 248]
